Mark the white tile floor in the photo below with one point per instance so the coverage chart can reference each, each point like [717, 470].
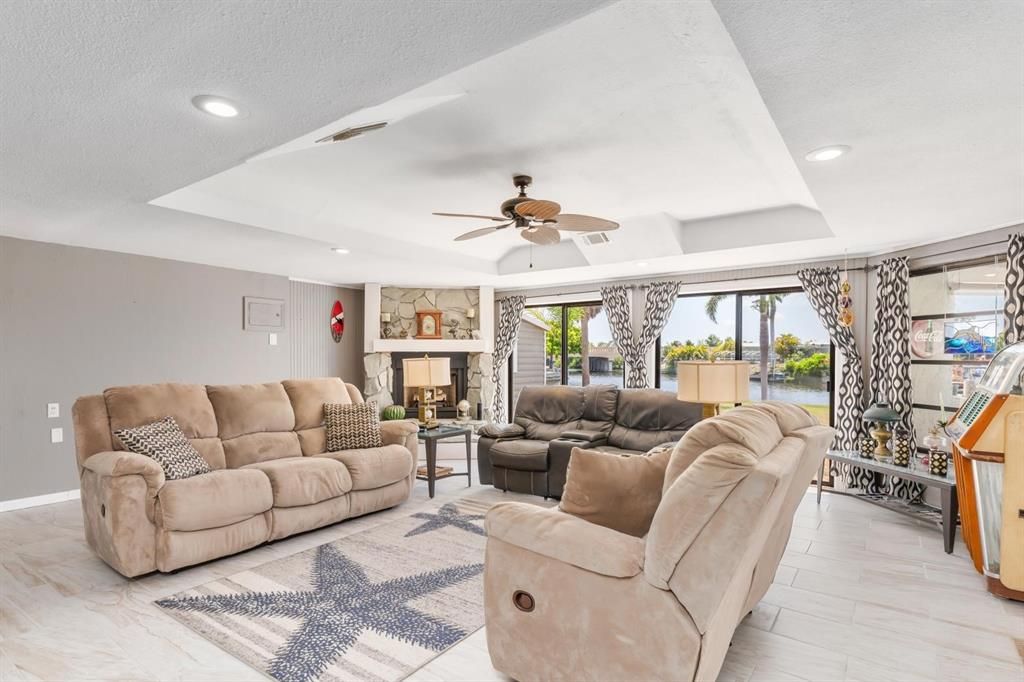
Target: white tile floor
[862, 594]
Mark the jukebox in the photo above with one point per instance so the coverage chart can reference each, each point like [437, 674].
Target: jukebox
[988, 454]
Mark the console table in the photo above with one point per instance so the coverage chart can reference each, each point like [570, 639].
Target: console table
[945, 518]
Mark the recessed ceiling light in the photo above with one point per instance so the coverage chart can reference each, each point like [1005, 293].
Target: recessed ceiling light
[990, 274]
[339, 250]
[827, 153]
[216, 106]
[642, 264]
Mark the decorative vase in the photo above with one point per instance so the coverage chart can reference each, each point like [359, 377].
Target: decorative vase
[901, 448]
[392, 412]
[867, 447]
[938, 463]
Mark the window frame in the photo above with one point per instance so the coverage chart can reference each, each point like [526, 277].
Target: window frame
[945, 268]
[563, 351]
[738, 295]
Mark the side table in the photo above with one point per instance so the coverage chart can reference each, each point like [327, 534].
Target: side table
[430, 437]
[946, 518]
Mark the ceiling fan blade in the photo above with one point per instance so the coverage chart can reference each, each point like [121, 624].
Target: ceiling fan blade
[537, 209]
[541, 235]
[583, 223]
[472, 215]
[473, 234]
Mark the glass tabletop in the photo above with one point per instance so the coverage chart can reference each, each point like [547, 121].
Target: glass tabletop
[854, 458]
[444, 430]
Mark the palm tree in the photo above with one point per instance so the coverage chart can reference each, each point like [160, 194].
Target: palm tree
[766, 305]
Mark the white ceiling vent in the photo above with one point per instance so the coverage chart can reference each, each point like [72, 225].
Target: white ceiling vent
[349, 133]
[595, 238]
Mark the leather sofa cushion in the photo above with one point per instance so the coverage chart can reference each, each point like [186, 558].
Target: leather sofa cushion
[546, 412]
[646, 418]
[374, 467]
[520, 455]
[309, 395]
[132, 406]
[219, 498]
[260, 447]
[599, 403]
[298, 481]
[251, 408]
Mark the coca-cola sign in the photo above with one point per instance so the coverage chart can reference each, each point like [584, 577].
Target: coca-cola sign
[926, 339]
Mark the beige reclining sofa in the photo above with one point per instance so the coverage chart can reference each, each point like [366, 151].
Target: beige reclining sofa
[566, 599]
[272, 475]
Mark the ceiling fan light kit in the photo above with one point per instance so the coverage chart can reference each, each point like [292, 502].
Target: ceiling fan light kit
[537, 220]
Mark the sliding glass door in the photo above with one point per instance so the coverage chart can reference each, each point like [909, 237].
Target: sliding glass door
[776, 331]
[568, 344]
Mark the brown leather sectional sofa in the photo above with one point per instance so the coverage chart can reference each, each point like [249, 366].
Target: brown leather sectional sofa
[272, 475]
[531, 455]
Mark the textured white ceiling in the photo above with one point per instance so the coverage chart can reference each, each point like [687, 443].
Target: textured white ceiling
[669, 117]
[96, 120]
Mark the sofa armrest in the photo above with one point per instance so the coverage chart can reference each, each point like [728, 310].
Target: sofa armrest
[505, 431]
[566, 538]
[397, 432]
[585, 436]
[125, 463]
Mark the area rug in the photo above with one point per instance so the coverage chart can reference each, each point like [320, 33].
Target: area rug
[375, 605]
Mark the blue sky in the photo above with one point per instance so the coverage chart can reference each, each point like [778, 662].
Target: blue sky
[688, 321]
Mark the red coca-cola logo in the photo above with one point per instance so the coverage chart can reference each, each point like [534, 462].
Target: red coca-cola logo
[925, 339]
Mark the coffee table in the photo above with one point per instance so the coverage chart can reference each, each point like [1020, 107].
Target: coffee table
[430, 437]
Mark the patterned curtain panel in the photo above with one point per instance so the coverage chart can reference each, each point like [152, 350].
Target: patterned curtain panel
[890, 354]
[822, 288]
[659, 299]
[509, 316]
[1014, 307]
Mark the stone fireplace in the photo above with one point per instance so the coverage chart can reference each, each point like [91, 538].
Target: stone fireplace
[468, 322]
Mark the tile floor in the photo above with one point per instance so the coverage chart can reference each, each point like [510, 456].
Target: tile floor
[862, 594]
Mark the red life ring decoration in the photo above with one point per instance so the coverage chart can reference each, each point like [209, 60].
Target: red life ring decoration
[337, 321]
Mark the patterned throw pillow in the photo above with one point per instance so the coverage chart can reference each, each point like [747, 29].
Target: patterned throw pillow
[351, 427]
[165, 442]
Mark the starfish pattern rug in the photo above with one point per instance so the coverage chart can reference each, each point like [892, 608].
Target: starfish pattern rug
[375, 605]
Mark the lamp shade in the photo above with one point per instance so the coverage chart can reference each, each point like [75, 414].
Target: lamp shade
[722, 381]
[426, 371]
[881, 412]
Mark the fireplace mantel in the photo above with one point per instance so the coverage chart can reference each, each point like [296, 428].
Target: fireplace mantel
[427, 346]
[373, 343]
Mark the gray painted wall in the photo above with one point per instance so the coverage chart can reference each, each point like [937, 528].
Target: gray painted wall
[74, 321]
[313, 350]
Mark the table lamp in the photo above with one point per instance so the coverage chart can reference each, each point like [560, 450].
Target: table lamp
[426, 374]
[883, 416]
[711, 382]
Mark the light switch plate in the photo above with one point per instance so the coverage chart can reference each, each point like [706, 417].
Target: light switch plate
[273, 339]
[52, 410]
[57, 435]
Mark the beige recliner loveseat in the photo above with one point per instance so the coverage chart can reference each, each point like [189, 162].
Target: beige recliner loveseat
[566, 599]
[272, 475]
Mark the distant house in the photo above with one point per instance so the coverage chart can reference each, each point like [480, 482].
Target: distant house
[529, 355]
[602, 359]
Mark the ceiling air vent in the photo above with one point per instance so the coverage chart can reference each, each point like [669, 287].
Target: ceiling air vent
[595, 238]
[349, 133]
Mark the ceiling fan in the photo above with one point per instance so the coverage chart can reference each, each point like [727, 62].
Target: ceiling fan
[537, 220]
